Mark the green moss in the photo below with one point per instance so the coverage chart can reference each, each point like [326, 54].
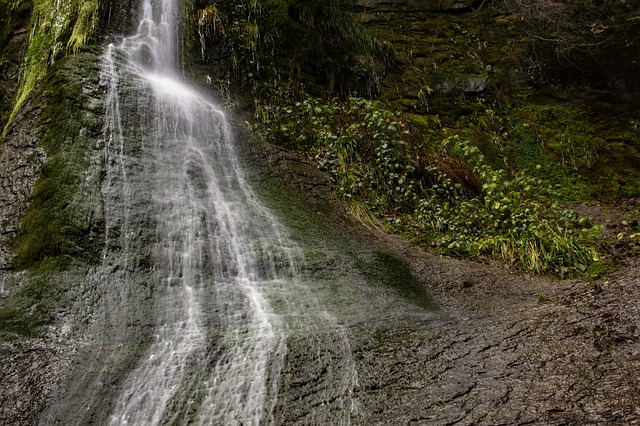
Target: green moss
[390, 270]
[590, 139]
[37, 297]
[56, 26]
[85, 24]
[530, 158]
[420, 120]
[62, 216]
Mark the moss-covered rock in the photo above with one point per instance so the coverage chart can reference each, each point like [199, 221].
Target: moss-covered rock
[483, 72]
[13, 43]
[64, 217]
[62, 226]
[55, 28]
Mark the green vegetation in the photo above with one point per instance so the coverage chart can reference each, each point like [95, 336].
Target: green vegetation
[364, 147]
[56, 26]
[469, 147]
[528, 155]
[595, 149]
[443, 192]
[315, 44]
[516, 219]
[64, 209]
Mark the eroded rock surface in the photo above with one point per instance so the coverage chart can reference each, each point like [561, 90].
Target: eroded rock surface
[500, 347]
[20, 161]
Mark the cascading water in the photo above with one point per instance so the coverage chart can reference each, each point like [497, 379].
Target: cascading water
[225, 282]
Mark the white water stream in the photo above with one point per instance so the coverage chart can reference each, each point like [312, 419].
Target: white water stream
[227, 290]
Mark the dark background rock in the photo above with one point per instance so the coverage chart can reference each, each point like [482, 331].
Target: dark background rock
[415, 5]
[117, 18]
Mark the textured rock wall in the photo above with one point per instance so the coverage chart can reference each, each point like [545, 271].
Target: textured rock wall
[20, 161]
[20, 157]
[53, 146]
[117, 17]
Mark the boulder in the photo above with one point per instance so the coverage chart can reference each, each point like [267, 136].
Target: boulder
[468, 83]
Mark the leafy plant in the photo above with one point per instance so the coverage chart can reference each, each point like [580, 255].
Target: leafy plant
[365, 148]
[445, 194]
[515, 218]
[263, 41]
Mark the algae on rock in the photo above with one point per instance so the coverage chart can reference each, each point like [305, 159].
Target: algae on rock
[63, 222]
[56, 27]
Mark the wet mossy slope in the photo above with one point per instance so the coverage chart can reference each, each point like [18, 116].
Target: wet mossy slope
[62, 228]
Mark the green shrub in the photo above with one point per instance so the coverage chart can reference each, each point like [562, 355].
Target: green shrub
[375, 160]
[316, 43]
[515, 219]
[365, 148]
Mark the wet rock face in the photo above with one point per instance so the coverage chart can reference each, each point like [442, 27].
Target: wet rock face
[20, 160]
[117, 18]
[46, 148]
[20, 157]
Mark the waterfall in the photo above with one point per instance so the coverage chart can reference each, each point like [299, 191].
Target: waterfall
[226, 287]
